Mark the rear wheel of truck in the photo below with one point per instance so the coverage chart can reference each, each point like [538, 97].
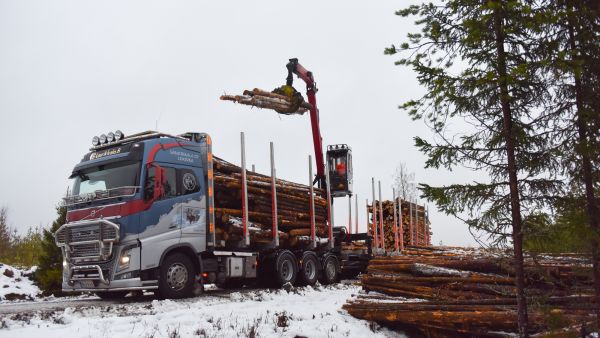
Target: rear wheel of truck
[177, 276]
[112, 294]
[331, 270]
[286, 268]
[309, 271]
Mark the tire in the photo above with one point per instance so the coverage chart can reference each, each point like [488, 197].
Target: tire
[286, 268]
[112, 294]
[309, 270]
[177, 277]
[331, 270]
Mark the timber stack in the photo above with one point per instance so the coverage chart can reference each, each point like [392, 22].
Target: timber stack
[451, 292]
[293, 208]
[410, 217]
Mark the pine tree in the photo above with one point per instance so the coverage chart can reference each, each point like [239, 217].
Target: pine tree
[475, 60]
[49, 272]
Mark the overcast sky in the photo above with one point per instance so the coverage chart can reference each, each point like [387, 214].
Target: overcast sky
[70, 70]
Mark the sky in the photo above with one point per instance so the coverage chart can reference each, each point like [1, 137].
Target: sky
[70, 70]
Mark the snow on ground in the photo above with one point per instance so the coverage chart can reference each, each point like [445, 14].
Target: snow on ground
[15, 284]
[303, 312]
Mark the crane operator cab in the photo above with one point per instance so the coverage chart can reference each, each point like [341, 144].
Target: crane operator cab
[339, 165]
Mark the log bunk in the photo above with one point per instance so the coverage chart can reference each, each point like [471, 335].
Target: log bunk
[413, 225]
[454, 292]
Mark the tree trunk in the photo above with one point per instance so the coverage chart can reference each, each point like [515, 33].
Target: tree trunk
[515, 203]
[588, 180]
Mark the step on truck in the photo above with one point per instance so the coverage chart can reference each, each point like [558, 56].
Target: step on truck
[140, 217]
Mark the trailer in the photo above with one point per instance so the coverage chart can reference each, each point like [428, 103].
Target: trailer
[141, 215]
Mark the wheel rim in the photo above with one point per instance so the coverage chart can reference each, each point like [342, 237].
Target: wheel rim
[330, 270]
[177, 276]
[310, 270]
[287, 270]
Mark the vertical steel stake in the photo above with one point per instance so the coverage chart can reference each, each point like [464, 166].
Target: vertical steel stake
[275, 228]
[330, 208]
[356, 213]
[395, 221]
[350, 214]
[246, 233]
[381, 232]
[374, 214]
[313, 239]
[410, 222]
[401, 226]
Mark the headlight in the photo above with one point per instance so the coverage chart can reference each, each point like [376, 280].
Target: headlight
[65, 264]
[125, 259]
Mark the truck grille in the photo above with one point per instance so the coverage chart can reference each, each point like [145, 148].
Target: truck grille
[88, 239]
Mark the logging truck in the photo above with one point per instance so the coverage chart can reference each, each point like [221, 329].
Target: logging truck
[143, 214]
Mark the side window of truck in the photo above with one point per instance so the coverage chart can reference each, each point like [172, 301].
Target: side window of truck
[189, 181]
[170, 186]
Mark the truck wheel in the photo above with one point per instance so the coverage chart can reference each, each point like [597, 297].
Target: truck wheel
[309, 272]
[286, 268]
[331, 270]
[112, 294]
[177, 276]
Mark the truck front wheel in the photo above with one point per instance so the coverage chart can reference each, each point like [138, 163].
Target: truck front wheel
[331, 270]
[177, 276]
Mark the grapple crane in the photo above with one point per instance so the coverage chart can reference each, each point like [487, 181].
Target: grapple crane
[287, 100]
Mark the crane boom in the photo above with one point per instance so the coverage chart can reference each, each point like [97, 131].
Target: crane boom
[311, 89]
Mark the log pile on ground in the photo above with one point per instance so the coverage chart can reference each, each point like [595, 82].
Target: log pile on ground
[420, 221]
[293, 208]
[263, 99]
[450, 292]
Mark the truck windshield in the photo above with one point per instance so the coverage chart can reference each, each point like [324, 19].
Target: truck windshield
[106, 177]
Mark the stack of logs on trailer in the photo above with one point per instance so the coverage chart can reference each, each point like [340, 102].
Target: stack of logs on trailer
[409, 217]
[445, 292]
[293, 209]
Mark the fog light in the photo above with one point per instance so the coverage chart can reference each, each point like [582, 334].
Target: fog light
[119, 135]
[102, 138]
[96, 141]
[110, 137]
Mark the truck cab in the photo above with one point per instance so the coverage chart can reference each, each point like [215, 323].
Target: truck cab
[134, 202]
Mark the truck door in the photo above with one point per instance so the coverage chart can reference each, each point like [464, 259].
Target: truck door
[160, 225]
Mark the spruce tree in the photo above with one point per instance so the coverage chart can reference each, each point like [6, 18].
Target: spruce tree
[49, 272]
[474, 59]
[572, 48]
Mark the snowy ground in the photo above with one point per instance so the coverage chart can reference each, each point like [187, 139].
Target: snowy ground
[303, 312]
[15, 284]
